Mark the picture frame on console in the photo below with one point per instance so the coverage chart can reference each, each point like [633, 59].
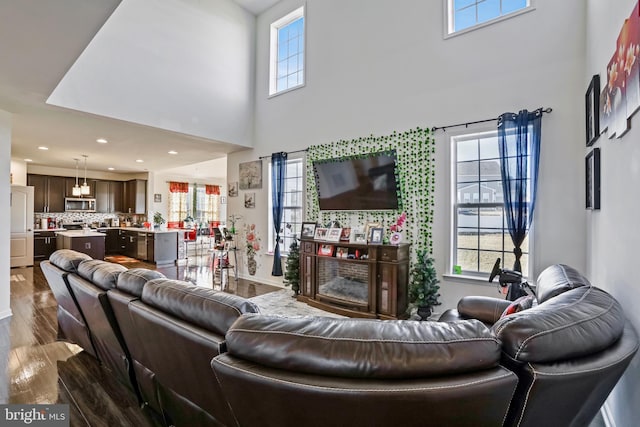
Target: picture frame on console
[592, 179]
[333, 235]
[592, 110]
[308, 230]
[345, 235]
[320, 233]
[375, 235]
[358, 236]
[368, 227]
[325, 250]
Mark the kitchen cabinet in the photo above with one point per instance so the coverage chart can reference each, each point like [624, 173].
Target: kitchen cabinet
[48, 192]
[44, 244]
[112, 244]
[109, 196]
[131, 243]
[135, 196]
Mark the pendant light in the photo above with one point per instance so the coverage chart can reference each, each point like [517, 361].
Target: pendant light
[84, 189]
[76, 191]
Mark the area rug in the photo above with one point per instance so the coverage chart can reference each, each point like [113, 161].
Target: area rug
[282, 303]
[120, 259]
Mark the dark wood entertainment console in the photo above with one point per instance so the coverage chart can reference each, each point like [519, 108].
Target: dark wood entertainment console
[355, 280]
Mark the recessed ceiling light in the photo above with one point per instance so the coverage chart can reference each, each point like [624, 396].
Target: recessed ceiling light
[42, 147]
[28, 160]
[101, 141]
[173, 152]
[139, 161]
[111, 169]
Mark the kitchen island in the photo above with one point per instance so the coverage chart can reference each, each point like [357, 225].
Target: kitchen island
[85, 241]
[157, 246]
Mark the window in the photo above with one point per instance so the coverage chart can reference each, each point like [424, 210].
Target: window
[293, 198]
[466, 14]
[201, 202]
[480, 232]
[286, 70]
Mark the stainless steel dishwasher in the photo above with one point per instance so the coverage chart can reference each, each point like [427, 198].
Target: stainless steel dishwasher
[141, 253]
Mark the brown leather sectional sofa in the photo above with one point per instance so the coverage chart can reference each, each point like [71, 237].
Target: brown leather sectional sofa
[201, 358]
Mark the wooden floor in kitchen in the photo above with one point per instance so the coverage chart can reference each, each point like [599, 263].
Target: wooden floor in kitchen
[41, 369]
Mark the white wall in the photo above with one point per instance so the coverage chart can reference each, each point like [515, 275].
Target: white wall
[5, 212]
[613, 233]
[18, 172]
[376, 67]
[180, 65]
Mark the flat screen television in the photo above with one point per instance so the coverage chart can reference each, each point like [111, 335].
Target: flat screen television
[363, 183]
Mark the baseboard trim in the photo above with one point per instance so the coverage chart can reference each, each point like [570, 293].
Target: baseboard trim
[6, 313]
[606, 415]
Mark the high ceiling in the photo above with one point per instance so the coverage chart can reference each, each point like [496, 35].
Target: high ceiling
[40, 41]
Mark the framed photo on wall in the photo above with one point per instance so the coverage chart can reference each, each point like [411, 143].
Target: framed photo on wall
[592, 110]
[592, 184]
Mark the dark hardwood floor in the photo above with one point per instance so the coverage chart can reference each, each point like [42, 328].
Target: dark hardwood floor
[42, 370]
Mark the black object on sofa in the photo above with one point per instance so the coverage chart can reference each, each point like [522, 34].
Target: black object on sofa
[72, 325]
[358, 372]
[179, 329]
[569, 351]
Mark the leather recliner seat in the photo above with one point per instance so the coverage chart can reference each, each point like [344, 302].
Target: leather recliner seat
[569, 351]
[179, 329]
[72, 325]
[322, 372]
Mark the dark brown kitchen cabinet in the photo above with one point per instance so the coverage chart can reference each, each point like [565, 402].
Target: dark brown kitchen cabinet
[112, 244]
[44, 244]
[109, 196]
[48, 193]
[135, 196]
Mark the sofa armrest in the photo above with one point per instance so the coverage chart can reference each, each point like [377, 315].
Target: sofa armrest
[485, 309]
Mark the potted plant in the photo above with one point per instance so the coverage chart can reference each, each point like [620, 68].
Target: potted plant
[292, 274]
[158, 220]
[423, 286]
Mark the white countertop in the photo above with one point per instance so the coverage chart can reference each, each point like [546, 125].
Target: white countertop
[80, 233]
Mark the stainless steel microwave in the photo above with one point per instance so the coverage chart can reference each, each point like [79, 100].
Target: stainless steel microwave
[76, 204]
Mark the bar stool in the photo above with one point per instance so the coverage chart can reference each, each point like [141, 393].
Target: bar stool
[190, 236]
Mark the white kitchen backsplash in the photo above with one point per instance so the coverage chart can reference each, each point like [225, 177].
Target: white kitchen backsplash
[85, 218]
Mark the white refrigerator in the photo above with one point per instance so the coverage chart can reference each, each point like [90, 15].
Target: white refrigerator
[21, 226]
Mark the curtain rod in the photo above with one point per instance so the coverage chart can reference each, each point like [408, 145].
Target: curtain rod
[290, 152]
[444, 128]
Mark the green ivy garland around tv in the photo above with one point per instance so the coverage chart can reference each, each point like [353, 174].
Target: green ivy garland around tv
[423, 285]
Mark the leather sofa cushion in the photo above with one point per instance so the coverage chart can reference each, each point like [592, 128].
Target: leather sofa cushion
[103, 274]
[485, 309]
[68, 259]
[557, 279]
[362, 348]
[576, 323]
[214, 311]
[132, 281]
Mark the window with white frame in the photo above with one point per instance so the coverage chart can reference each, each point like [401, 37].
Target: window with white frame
[465, 14]
[480, 232]
[292, 215]
[286, 69]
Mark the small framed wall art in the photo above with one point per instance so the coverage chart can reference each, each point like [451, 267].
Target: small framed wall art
[592, 184]
[592, 110]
